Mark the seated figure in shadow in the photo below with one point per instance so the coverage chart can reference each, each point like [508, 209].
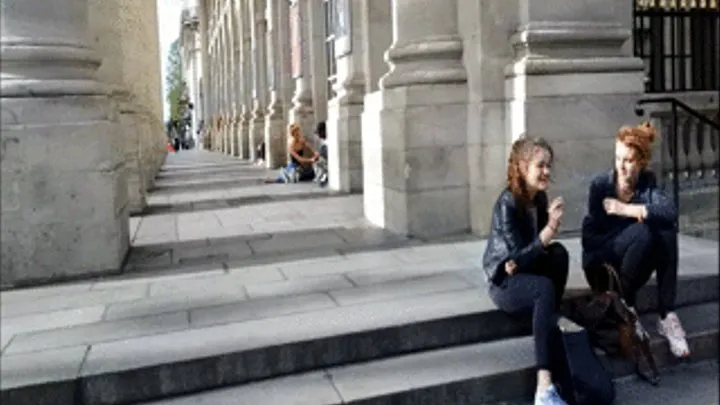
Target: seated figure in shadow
[630, 226]
[299, 167]
[527, 272]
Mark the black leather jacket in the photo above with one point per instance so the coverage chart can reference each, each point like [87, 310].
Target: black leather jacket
[513, 237]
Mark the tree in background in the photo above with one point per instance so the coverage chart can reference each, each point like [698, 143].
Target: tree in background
[174, 81]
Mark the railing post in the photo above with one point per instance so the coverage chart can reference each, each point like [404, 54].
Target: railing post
[676, 151]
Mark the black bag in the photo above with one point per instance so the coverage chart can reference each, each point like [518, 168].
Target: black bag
[612, 326]
[577, 370]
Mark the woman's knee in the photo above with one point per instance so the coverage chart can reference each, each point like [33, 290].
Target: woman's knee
[640, 233]
[558, 252]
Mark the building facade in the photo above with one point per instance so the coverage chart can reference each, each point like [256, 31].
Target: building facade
[422, 99]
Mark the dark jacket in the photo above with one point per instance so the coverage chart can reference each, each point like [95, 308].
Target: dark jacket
[598, 228]
[513, 237]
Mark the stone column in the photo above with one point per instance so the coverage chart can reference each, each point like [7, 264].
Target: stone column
[223, 84]
[344, 127]
[278, 60]
[246, 82]
[302, 109]
[318, 59]
[573, 83]
[236, 90]
[205, 57]
[377, 37]
[259, 52]
[414, 129]
[484, 26]
[127, 51]
[230, 80]
[64, 190]
[217, 121]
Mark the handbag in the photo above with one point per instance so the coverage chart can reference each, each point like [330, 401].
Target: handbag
[606, 311]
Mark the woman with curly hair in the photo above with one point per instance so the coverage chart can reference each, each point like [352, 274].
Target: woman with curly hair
[299, 168]
[525, 270]
[630, 225]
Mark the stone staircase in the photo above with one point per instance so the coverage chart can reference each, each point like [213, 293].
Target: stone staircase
[333, 313]
[410, 332]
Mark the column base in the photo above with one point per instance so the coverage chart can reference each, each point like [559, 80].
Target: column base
[235, 136]
[415, 162]
[64, 193]
[245, 138]
[344, 140]
[275, 141]
[257, 136]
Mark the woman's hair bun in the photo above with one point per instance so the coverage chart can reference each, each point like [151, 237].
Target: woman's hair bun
[647, 131]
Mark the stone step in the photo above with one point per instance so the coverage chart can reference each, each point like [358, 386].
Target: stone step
[480, 373]
[216, 204]
[137, 368]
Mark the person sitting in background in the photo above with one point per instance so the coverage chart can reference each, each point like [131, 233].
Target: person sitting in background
[299, 168]
[320, 167]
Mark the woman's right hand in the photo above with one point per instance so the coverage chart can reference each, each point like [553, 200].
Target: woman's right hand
[555, 213]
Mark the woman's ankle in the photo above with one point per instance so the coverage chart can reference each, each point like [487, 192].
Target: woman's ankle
[544, 380]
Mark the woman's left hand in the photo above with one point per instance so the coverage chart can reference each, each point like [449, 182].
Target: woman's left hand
[510, 267]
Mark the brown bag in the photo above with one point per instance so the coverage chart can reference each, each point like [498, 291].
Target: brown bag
[609, 309]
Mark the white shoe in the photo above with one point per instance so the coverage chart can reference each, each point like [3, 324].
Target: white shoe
[672, 330]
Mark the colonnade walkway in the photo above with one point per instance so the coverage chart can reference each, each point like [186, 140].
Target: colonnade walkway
[236, 291]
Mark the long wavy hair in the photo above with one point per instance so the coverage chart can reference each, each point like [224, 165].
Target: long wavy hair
[521, 153]
[640, 138]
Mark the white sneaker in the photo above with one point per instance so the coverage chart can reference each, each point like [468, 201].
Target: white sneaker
[672, 330]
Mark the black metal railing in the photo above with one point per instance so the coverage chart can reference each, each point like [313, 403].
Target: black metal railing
[690, 145]
[679, 41]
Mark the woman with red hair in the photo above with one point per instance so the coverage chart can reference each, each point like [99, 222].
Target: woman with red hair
[526, 271]
[630, 225]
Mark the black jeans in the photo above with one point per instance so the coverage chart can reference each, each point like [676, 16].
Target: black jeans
[539, 290]
[636, 252]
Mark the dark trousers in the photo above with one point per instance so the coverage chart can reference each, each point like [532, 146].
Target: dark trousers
[539, 290]
[635, 253]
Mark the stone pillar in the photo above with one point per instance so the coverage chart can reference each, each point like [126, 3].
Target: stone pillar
[302, 109]
[414, 128]
[205, 57]
[64, 190]
[223, 85]
[484, 26]
[573, 83]
[135, 88]
[278, 61]
[259, 52]
[235, 70]
[376, 28]
[344, 127]
[246, 83]
[318, 59]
